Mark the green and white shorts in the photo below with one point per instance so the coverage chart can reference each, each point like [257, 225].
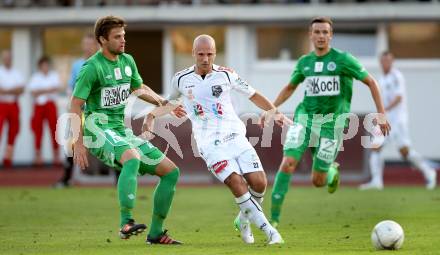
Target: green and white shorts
[109, 144]
[324, 143]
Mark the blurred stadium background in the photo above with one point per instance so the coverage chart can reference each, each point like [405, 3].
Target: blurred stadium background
[261, 40]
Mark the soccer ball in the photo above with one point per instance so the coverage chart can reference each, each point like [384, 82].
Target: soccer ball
[387, 235]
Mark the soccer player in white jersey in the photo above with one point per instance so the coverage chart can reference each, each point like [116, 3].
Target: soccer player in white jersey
[220, 134]
[392, 85]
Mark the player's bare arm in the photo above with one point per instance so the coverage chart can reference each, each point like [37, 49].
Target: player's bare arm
[79, 150]
[270, 110]
[285, 94]
[164, 107]
[148, 95]
[375, 93]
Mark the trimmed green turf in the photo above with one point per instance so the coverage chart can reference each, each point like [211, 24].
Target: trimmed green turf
[85, 221]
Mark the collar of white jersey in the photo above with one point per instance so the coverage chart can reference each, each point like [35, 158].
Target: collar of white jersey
[215, 68]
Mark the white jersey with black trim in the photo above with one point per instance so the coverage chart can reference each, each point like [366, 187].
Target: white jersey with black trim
[392, 85]
[207, 101]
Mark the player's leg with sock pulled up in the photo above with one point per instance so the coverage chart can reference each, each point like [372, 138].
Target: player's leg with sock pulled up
[257, 187]
[127, 188]
[251, 208]
[295, 144]
[163, 197]
[155, 163]
[281, 186]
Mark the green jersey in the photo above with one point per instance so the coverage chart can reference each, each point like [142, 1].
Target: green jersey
[106, 86]
[329, 83]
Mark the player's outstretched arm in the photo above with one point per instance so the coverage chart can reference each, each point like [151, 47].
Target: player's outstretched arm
[270, 110]
[375, 93]
[284, 94]
[148, 95]
[262, 102]
[79, 150]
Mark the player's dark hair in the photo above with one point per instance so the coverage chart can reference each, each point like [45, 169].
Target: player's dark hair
[321, 19]
[104, 24]
[43, 59]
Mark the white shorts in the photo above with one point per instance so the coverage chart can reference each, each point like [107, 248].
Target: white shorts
[236, 156]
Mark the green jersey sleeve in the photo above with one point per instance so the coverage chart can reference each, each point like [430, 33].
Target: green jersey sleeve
[353, 68]
[297, 75]
[136, 80]
[85, 80]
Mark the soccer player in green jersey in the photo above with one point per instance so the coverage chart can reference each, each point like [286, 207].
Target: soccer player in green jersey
[104, 85]
[328, 76]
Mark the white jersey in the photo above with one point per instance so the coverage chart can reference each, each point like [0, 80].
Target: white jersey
[392, 85]
[41, 81]
[208, 104]
[10, 79]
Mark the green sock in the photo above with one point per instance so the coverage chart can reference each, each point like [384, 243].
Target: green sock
[331, 174]
[127, 187]
[163, 196]
[279, 190]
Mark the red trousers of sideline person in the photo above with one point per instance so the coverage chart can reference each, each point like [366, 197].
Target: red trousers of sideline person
[47, 111]
[10, 113]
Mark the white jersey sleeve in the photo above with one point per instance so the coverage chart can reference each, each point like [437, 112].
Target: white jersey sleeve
[241, 85]
[175, 93]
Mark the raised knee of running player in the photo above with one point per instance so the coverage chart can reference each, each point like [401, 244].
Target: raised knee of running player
[257, 181]
[236, 184]
[319, 178]
[288, 165]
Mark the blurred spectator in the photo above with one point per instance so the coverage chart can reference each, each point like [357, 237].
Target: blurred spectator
[11, 86]
[88, 47]
[44, 86]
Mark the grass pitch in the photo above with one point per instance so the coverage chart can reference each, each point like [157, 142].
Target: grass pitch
[85, 221]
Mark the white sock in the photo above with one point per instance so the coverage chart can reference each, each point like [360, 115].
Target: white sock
[259, 197]
[243, 218]
[253, 211]
[417, 160]
[376, 167]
